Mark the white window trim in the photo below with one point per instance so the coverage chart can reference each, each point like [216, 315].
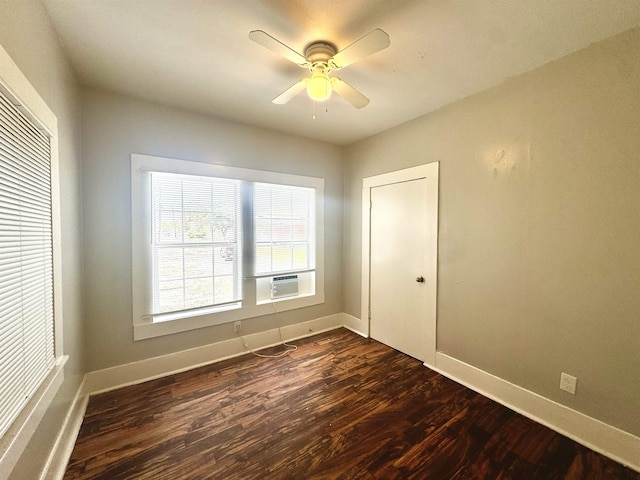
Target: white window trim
[15, 85]
[143, 326]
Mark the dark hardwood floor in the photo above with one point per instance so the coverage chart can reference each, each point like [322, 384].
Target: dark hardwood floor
[341, 407]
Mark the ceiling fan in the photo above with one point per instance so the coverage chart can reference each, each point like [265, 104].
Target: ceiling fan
[321, 58]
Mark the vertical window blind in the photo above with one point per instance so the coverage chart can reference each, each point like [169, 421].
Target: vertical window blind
[26, 261]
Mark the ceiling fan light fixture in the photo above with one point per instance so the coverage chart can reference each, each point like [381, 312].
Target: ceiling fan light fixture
[319, 86]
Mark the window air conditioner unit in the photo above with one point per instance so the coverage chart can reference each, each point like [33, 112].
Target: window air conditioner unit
[285, 286]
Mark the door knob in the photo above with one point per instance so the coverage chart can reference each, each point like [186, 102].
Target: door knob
[420, 279]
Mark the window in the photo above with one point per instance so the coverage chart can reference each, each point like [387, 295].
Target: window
[196, 243]
[283, 232]
[30, 337]
[209, 242]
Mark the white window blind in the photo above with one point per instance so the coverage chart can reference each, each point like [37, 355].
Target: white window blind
[26, 261]
[283, 219]
[197, 242]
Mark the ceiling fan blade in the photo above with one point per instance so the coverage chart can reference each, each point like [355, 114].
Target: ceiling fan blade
[350, 94]
[291, 92]
[372, 42]
[267, 41]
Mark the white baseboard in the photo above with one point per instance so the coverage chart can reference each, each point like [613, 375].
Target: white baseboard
[156, 367]
[357, 332]
[61, 451]
[612, 442]
[312, 327]
[356, 325]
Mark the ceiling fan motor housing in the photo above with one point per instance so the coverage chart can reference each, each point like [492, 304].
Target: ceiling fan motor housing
[319, 52]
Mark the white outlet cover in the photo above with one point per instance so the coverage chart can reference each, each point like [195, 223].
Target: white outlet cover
[568, 383]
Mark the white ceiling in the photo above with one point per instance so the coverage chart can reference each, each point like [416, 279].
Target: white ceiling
[196, 54]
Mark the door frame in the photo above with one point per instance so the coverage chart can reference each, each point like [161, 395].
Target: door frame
[430, 173]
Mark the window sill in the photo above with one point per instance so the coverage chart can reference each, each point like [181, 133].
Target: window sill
[169, 317]
[143, 331]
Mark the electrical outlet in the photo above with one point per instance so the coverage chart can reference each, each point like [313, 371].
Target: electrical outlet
[237, 326]
[568, 383]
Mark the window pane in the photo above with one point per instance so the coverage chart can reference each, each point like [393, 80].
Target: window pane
[224, 289]
[281, 257]
[170, 264]
[300, 204]
[262, 230]
[225, 205]
[196, 196]
[198, 262]
[261, 203]
[281, 231]
[263, 258]
[300, 232]
[197, 227]
[170, 296]
[169, 227]
[198, 292]
[224, 260]
[300, 257]
[167, 208]
[280, 203]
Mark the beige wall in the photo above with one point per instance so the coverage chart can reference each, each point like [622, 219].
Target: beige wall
[114, 127]
[26, 34]
[539, 235]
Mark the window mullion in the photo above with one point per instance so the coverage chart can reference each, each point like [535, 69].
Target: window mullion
[183, 249]
[213, 248]
[248, 247]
